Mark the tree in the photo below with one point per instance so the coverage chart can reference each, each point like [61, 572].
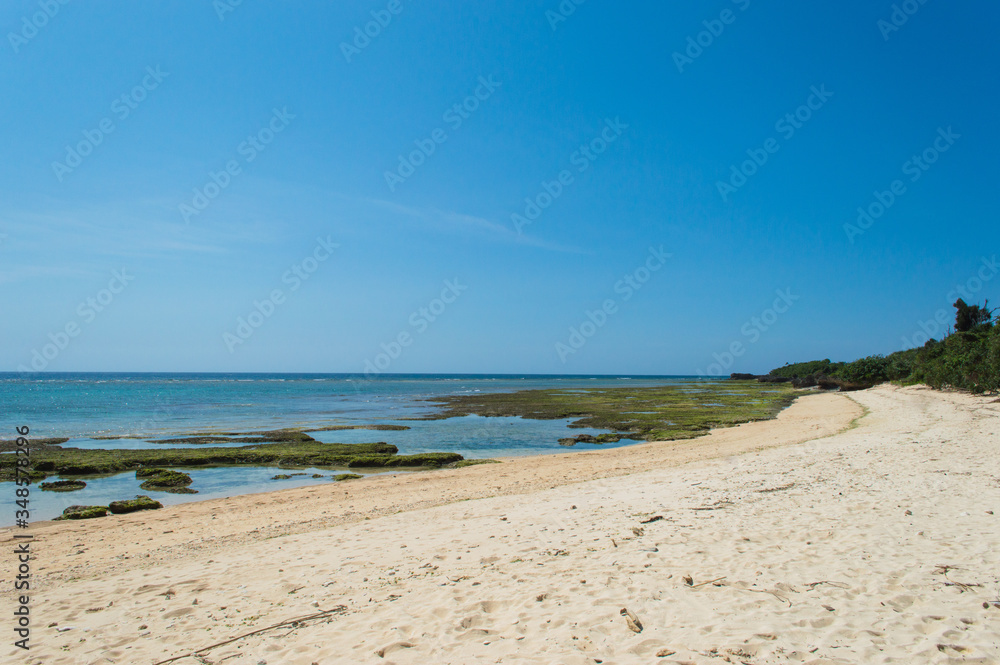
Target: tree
[968, 317]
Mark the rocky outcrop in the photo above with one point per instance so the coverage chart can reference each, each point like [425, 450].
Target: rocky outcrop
[140, 502]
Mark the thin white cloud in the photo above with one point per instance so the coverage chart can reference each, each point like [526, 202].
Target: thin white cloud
[455, 222]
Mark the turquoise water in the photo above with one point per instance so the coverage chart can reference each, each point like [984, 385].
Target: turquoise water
[144, 406]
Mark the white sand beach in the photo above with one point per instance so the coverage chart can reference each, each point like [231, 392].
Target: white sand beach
[860, 528]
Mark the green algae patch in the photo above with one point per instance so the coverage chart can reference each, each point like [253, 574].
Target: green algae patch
[63, 486]
[461, 464]
[149, 472]
[304, 454]
[676, 411]
[83, 512]
[374, 428]
[164, 480]
[269, 436]
[33, 475]
[141, 502]
[346, 476]
[10, 445]
[288, 476]
[431, 460]
[587, 438]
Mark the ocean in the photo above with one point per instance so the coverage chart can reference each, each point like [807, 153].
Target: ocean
[142, 406]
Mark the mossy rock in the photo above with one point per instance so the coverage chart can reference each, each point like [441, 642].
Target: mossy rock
[92, 461]
[588, 438]
[472, 462]
[434, 460]
[83, 512]
[167, 481]
[8, 445]
[149, 472]
[675, 411]
[317, 475]
[63, 486]
[346, 476]
[270, 436]
[376, 428]
[141, 502]
[32, 476]
[281, 476]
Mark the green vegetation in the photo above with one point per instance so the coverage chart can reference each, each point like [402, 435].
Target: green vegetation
[83, 512]
[290, 435]
[968, 359]
[287, 476]
[435, 460]
[588, 438]
[812, 368]
[79, 462]
[271, 436]
[141, 502]
[346, 476]
[165, 480]
[472, 462]
[63, 486]
[7, 445]
[677, 411]
[376, 428]
[149, 472]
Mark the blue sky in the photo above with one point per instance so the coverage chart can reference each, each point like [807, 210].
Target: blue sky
[309, 128]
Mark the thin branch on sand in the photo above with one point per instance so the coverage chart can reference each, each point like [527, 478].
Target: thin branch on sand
[339, 609]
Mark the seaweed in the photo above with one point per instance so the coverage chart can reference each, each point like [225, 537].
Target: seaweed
[63, 486]
[461, 464]
[267, 436]
[8, 445]
[433, 460]
[80, 462]
[164, 480]
[376, 428]
[141, 502]
[677, 411]
[83, 512]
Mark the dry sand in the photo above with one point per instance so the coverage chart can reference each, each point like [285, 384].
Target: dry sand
[828, 543]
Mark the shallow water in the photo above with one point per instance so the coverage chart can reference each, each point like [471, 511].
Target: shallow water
[146, 406]
[213, 483]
